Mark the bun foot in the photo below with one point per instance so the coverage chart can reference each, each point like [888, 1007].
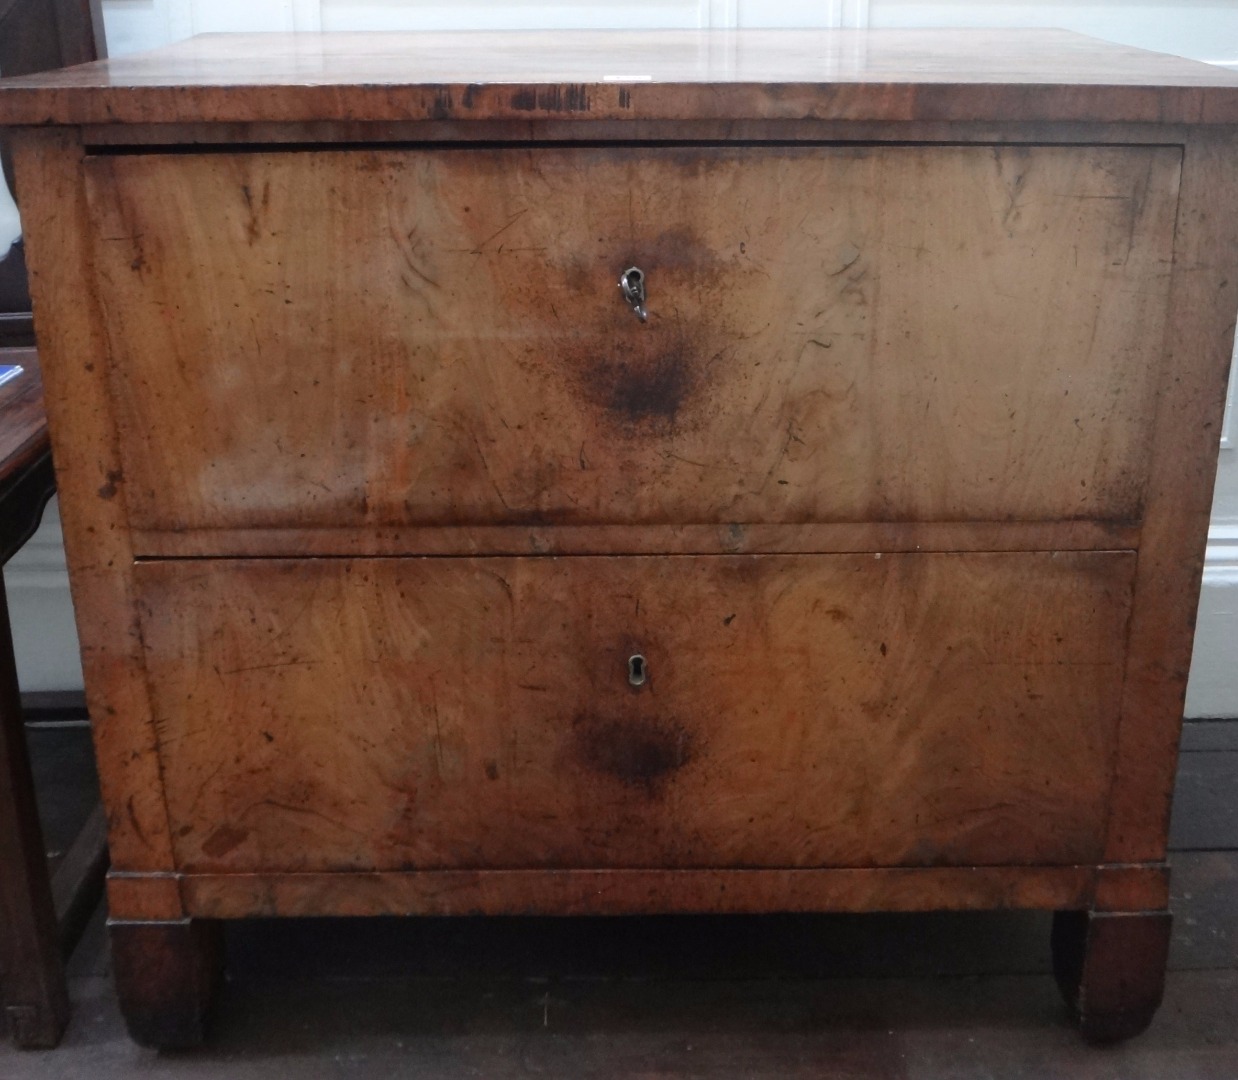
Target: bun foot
[166, 974]
[1110, 968]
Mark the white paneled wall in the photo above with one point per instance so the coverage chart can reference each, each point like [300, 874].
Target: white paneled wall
[1202, 29]
[44, 637]
[139, 24]
[10, 224]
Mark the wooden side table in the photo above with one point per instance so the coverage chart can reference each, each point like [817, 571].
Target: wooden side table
[33, 907]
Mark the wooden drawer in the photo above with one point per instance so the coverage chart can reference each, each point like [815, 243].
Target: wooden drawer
[798, 711]
[387, 337]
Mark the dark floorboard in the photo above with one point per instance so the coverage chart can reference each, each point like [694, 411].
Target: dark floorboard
[1209, 735]
[1205, 816]
[1006, 1027]
[66, 786]
[1204, 899]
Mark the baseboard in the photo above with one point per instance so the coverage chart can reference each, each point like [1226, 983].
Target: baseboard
[1221, 559]
[56, 708]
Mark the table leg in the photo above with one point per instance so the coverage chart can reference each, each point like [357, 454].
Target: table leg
[32, 979]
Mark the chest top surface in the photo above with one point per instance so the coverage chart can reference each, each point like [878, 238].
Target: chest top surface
[864, 75]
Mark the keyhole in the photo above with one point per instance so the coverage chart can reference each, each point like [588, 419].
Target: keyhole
[638, 670]
[632, 285]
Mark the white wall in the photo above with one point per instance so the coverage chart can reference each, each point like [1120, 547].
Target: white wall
[1213, 689]
[1203, 29]
[44, 637]
[10, 226]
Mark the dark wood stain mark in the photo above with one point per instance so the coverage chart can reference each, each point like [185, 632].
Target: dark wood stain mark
[492, 770]
[223, 840]
[251, 226]
[441, 107]
[679, 248]
[132, 814]
[108, 490]
[524, 100]
[639, 752]
[642, 393]
[574, 97]
[925, 853]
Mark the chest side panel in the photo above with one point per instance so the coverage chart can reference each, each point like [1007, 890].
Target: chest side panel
[795, 711]
[424, 337]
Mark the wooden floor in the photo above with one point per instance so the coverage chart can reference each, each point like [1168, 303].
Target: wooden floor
[865, 996]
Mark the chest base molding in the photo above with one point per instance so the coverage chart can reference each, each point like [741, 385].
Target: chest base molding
[637, 892]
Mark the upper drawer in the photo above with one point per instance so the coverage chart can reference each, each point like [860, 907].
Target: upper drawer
[436, 336]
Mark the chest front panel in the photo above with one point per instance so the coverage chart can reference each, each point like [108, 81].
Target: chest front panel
[436, 337]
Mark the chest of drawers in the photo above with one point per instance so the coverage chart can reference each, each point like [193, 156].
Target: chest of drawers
[593, 473]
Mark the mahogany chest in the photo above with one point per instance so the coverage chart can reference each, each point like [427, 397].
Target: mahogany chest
[636, 472]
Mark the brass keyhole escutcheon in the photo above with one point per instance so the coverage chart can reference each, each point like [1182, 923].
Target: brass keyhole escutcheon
[638, 670]
[632, 285]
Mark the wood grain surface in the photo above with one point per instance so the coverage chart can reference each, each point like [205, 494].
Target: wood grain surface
[1190, 411]
[90, 482]
[1132, 887]
[145, 896]
[402, 338]
[899, 75]
[731, 539]
[308, 133]
[636, 892]
[799, 711]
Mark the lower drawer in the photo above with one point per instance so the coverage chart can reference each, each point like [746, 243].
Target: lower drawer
[792, 711]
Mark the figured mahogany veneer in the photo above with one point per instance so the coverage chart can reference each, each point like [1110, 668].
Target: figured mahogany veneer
[887, 75]
[809, 309]
[795, 711]
[416, 574]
